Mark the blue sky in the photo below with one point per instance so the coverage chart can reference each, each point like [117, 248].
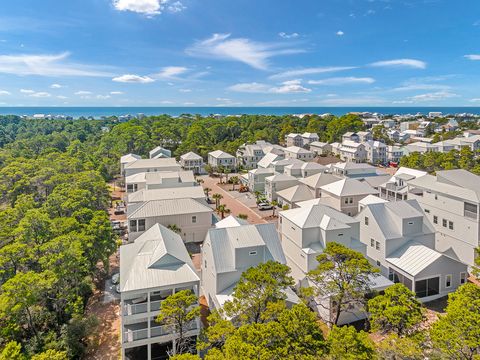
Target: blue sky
[239, 53]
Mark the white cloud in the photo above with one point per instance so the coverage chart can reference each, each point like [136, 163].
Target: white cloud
[116, 92]
[287, 87]
[149, 8]
[56, 86]
[171, 71]
[61, 97]
[103, 97]
[410, 63]
[27, 91]
[83, 92]
[4, 92]
[340, 33]
[343, 81]
[252, 53]
[310, 71]
[40, 94]
[475, 100]
[402, 102]
[413, 87]
[131, 78]
[473, 57]
[354, 101]
[288, 36]
[188, 103]
[185, 90]
[45, 65]
[435, 96]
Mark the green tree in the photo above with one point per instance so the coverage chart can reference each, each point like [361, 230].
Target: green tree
[345, 343]
[217, 197]
[234, 180]
[397, 310]
[457, 333]
[12, 351]
[222, 209]
[178, 312]
[257, 292]
[394, 347]
[344, 275]
[51, 355]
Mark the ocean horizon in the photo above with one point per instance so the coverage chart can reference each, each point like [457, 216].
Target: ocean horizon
[98, 112]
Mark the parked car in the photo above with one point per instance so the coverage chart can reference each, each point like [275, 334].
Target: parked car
[265, 206]
[210, 201]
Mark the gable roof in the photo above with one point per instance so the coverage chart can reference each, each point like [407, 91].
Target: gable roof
[157, 258]
[348, 187]
[219, 154]
[194, 192]
[296, 193]
[152, 163]
[268, 159]
[129, 158]
[318, 180]
[230, 221]
[191, 156]
[312, 216]
[297, 150]
[413, 258]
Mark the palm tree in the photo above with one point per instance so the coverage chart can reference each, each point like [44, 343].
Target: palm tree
[226, 171]
[207, 191]
[257, 196]
[274, 204]
[242, 216]
[217, 198]
[200, 181]
[220, 171]
[235, 180]
[222, 209]
[174, 228]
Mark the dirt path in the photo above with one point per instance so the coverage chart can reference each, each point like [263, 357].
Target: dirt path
[236, 207]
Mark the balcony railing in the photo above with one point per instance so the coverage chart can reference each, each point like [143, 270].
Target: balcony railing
[155, 305]
[470, 214]
[155, 331]
[132, 309]
[135, 335]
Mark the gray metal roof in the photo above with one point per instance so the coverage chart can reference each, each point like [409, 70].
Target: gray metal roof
[154, 208]
[312, 216]
[157, 258]
[349, 187]
[152, 163]
[413, 258]
[194, 192]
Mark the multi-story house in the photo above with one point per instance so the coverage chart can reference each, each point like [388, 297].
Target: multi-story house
[295, 152]
[400, 240]
[151, 165]
[193, 162]
[351, 151]
[364, 136]
[278, 182]
[308, 138]
[159, 180]
[266, 161]
[192, 192]
[152, 268]
[345, 194]
[353, 170]
[394, 153]
[320, 148]
[159, 152]
[293, 139]
[219, 158]
[126, 159]
[451, 201]
[350, 136]
[248, 155]
[396, 188]
[302, 170]
[228, 251]
[279, 165]
[376, 152]
[305, 232]
[256, 179]
[191, 217]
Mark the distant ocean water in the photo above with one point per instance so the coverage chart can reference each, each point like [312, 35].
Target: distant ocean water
[98, 112]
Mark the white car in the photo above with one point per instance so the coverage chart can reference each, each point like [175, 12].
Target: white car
[115, 278]
[265, 206]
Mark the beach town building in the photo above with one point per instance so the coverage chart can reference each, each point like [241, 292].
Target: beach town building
[219, 158]
[193, 162]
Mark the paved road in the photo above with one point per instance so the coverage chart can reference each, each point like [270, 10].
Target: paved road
[236, 207]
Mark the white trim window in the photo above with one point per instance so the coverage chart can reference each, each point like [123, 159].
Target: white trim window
[448, 281]
[463, 278]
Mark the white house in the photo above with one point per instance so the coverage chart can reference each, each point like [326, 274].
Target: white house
[345, 194]
[126, 159]
[191, 217]
[376, 152]
[256, 179]
[353, 170]
[295, 152]
[308, 138]
[352, 151]
[229, 251]
[293, 195]
[315, 182]
[400, 240]
[192, 192]
[396, 187]
[293, 139]
[305, 232]
[193, 162]
[320, 148]
[451, 201]
[268, 159]
[151, 165]
[159, 180]
[152, 268]
[277, 182]
[219, 158]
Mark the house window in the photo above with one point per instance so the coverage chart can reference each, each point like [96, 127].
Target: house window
[351, 201]
[340, 234]
[450, 225]
[463, 278]
[378, 263]
[448, 281]
[435, 219]
[444, 222]
[205, 264]
[366, 220]
[410, 223]
[427, 211]
[436, 197]
[372, 242]
[346, 200]
[133, 225]
[252, 253]
[194, 219]
[377, 245]
[141, 225]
